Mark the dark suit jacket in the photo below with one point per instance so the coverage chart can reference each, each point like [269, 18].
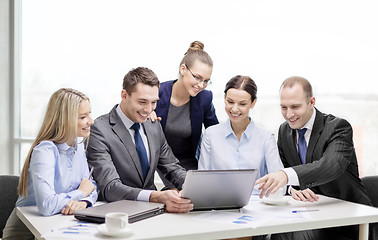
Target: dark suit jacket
[201, 110]
[113, 155]
[331, 165]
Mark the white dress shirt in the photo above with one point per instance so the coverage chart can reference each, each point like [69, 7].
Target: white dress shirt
[290, 172]
[143, 195]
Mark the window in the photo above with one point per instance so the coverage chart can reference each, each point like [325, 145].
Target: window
[91, 45]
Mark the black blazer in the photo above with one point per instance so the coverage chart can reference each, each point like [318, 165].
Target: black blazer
[201, 110]
[331, 165]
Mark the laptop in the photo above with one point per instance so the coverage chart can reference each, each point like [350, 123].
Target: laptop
[219, 189]
[136, 210]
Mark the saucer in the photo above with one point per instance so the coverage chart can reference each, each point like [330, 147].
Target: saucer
[104, 230]
[269, 201]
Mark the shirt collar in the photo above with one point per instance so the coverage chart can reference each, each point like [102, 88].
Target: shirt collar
[125, 120]
[227, 128]
[64, 147]
[310, 123]
[248, 131]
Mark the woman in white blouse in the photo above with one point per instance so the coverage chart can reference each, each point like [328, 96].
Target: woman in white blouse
[55, 176]
[239, 143]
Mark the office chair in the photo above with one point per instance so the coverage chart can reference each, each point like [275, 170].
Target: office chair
[371, 186]
[8, 198]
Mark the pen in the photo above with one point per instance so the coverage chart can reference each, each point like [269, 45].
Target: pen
[90, 173]
[309, 210]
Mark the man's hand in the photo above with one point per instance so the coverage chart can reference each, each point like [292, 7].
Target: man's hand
[270, 183]
[173, 201]
[306, 195]
[154, 117]
[73, 206]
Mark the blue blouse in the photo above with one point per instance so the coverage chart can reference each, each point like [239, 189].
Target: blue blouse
[55, 173]
[257, 149]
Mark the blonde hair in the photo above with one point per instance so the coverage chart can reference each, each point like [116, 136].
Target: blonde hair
[59, 125]
[196, 52]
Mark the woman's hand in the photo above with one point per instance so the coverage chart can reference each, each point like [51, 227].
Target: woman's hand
[153, 117]
[86, 186]
[73, 206]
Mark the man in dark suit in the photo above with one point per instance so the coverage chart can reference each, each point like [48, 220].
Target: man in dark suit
[125, 147]
[319, 157]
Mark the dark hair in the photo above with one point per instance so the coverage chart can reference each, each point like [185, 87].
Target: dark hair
[291, 81]
[196, 52]
[139, 75]
[243, 83]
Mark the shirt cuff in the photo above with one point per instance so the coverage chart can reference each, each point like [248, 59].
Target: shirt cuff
[90, 200]
[292, 177]
[289, 187]
[75, 195]
[89, 204]
[144, 195]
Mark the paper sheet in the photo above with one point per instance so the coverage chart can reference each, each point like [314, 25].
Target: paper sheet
[232, 218]
[73, 229]
[255, 214]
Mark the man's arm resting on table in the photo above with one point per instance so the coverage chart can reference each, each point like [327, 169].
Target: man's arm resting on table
[306, 195]
[172, 200]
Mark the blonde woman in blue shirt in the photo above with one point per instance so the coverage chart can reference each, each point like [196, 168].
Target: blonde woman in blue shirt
[55, 176]
[239, 143]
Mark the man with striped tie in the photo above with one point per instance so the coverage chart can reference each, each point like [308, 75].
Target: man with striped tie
[319, 157]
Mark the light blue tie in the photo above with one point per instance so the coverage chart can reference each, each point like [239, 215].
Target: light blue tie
[141, 150]
[302, 146]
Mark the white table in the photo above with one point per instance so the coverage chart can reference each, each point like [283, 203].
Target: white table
[330, 213]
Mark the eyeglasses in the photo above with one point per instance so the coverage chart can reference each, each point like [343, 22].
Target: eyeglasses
[198, 79]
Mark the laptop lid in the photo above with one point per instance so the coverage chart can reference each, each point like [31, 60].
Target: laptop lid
[219, 189]
[136, 210]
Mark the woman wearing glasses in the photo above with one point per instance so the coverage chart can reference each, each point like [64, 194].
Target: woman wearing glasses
[239, 143]
[184, 105]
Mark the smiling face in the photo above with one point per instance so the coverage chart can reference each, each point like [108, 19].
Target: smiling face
[237, 105]
[85, 119]
[138, 105]
[296, 108]
[194, 78]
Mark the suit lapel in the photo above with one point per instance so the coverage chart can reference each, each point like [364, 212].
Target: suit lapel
[315, 134]
[196, 115]
[125, 137]
[164, 102]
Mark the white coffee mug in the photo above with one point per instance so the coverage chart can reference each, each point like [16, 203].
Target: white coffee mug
[116, 221]
[278, 195]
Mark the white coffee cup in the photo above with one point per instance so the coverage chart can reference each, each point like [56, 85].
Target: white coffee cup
[116, 221]
[278, 195]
